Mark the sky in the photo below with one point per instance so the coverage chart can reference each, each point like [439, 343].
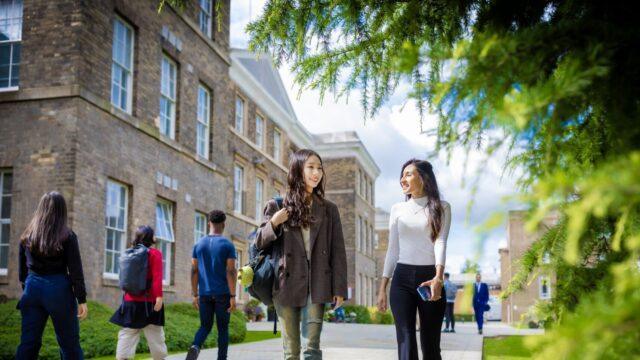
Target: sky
[397, 127]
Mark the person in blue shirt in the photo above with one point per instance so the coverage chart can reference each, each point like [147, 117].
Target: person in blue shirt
[213, 284]
[480, 300]
[450, 290]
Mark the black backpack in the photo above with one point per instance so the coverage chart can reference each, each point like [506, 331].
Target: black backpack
[133, 270]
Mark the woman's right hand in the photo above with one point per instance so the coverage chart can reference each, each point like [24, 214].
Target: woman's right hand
[83, 311]
[279, 217]
[382, 301]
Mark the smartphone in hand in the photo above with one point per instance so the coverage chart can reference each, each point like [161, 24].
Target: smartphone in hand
[424, 292]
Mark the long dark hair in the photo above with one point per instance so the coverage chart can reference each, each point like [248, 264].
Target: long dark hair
[430, 189]
[295, 200]
[48, 228]
[144, 236]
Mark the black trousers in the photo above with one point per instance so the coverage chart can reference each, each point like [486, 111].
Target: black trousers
[404, 301]
[448, 315]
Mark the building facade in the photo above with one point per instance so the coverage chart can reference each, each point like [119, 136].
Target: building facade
[515, 308]
[136, 117]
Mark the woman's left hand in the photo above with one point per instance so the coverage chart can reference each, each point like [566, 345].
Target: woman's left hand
[338, 300]
[436, 288]
[158, 306]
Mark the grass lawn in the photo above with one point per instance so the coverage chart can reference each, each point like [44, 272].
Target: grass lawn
[505, 348]
[251, 336]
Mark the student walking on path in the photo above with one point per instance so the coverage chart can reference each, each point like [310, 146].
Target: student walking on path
[143, 312]
[213, 284]
[480, 301]
[450, 291]
[50, 271]
[313, 269]
[418, 231]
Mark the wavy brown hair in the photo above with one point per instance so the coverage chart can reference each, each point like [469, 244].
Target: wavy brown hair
[48, 228]
[295, 200]
[430, 189]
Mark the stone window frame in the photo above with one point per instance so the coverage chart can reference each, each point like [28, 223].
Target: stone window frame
[5, 244]
[277, 156]
[243, 115]
[128, 71]
[260, 137]
[200, 121]
[205, 15]
[200, 218]
[165, 238]
[123, 229]
[168, 95]
[238, 189]
[15, 44]
[259, 201]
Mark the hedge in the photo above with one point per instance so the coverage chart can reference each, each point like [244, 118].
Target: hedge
[98, 337]
[365, 315]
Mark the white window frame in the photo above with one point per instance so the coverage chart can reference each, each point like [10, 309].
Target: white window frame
[541, 279]
[119, 248]
[239, 289]
[128, 71]
[168, 94]
[260, 131]
[239, 115]
[277, 145]
[357, 232]
[13, 42]
[238, 189]
[165, 244]
[259, 198]
[5, 244]
[200, 219]
[202, 121]
[205, 16]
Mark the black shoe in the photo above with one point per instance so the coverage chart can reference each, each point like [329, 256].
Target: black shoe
[480, 331]
[193, 353]
[453, 330]
[445, 330]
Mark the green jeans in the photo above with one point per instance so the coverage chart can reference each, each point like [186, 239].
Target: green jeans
[305, 320]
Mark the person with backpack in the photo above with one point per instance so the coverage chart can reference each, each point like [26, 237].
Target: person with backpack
[312, 268]
[142, 307]
[50, 272]
[213, 284]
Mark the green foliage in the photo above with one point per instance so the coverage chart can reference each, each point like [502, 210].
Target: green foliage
[505, 348]
[382, 318]
[470, 267]
[362, 313]
[98, 336]
[554, 83]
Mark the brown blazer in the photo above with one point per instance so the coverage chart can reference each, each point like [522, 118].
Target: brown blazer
[328, 263]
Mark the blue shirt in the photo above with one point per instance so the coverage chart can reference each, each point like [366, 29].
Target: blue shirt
[212, 252]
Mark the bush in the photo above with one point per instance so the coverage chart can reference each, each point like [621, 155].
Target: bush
[98, 337]
[362, 313]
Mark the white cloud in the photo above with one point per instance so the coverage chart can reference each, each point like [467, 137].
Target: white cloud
[393, 137]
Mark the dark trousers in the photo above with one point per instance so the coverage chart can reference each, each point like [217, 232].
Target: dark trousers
[448, 315]
[210, 307]
[44, 297]
[479, 312]
[404, 301]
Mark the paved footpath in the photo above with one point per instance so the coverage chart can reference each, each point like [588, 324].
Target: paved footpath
[367, 342]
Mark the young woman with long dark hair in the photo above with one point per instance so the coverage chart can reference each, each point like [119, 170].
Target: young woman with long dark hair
[145, 312]
[52, 280]
[418, 231]
[313, 266]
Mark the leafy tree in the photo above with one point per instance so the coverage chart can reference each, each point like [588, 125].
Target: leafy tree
[470, 267]
[557, 83]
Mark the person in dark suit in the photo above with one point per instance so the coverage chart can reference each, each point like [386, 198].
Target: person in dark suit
[480, 300]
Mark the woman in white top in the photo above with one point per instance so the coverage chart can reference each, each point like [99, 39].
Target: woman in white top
[418, 230]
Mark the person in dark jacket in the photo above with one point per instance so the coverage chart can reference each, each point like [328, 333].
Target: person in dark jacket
[143, 313]
[313, 267]
[50, 271]
[480, 301]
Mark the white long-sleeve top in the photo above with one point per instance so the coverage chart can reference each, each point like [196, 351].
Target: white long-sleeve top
[410, 236]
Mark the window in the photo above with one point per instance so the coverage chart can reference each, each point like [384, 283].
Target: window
[10, 43]
[545, 287]
[205, 16]
[6, 183]
[168, 76]
[277, 145]
[238, 189]
[122, 65]
[200, 227]
[371, 236]
[260, 131]
[365, 239]
[115, 226]
[362, 234]
[165, 236]
[238, 284]
[259, 198]
[204, 113]
[358, 233]
[239, 125]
